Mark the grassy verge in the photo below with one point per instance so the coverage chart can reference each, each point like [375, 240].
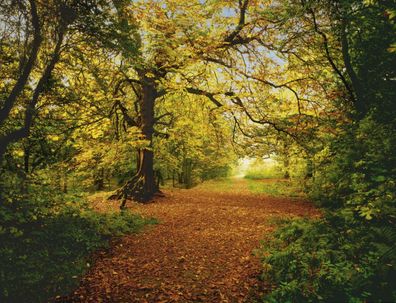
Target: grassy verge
[220, 185]
[275, 187]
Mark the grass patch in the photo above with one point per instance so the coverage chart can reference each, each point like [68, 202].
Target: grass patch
[263, 174]
[275, 188]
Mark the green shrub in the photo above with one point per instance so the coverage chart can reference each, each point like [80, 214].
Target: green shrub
[361, 173]
[350, 255]
[330, 260]
[46, 240]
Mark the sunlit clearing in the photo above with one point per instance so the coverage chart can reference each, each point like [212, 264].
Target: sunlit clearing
[247, 165]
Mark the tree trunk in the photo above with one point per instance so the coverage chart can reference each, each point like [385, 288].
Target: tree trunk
[187, 172]
[65, 189]
[99, 180]
[358, 87]
[180, 178]
[146, 155]
[286, 164]
[142, 186]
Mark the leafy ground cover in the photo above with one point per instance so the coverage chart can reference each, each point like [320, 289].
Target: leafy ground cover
[329, 260]
[47, 247]
[201, 250]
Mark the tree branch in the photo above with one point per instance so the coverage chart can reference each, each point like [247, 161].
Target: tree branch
[210, 96]
[356, 84]
[243, 4]
[26, 70]
[129, 120]
[325, 42]
[31, 107]
[157, 119]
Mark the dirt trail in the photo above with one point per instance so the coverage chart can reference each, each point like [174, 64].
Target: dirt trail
[201, 250]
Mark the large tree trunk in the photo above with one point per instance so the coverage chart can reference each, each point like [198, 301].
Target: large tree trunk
[146, 167]
[142, 186]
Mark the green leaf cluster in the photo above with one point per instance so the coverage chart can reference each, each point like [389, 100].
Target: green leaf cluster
[330, 260]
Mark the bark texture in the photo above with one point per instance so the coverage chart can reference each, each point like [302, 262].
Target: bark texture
[143, 186]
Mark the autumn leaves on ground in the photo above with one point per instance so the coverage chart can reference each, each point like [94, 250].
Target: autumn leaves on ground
[201, 250]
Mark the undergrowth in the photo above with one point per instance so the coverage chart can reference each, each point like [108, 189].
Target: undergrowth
[46, 240]
[330, 260]
[350, 254]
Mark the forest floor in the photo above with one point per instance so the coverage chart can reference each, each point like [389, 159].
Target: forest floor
[200, 251]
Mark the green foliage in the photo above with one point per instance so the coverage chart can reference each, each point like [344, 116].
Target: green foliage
[46, 239]
[330, 260]
[259, 173]
[350, 254]
[360, 176]
[216, 171]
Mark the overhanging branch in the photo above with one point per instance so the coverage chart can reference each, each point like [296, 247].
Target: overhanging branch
[210, 96]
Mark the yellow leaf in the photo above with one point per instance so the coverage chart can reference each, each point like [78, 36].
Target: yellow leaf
[19, 153]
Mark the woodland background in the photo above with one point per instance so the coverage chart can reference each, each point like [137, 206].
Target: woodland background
[129, 96]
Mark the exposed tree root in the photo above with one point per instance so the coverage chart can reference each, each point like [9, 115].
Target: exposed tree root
[135, 189]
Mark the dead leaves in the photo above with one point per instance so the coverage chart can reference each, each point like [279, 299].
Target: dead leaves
[200, 252]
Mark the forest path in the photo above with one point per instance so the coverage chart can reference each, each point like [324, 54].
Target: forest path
[201, 250]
